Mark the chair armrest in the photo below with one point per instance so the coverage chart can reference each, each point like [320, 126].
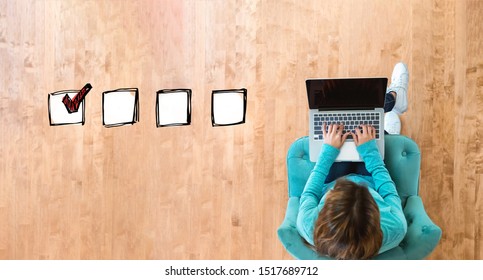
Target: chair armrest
[423, 235]
[289, 236]
[291, 212]
[299, 166]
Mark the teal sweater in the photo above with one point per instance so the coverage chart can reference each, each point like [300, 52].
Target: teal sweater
[380, 185]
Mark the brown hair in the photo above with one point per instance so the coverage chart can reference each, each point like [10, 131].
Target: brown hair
[348, 226]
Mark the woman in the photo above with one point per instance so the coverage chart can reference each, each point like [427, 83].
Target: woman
[358, 215]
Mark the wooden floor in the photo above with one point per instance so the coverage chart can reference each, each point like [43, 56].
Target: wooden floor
[198, 192]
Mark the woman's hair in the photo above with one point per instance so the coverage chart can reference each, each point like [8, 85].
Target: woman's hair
[348, 226]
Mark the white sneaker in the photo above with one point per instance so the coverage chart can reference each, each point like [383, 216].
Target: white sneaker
[399, 84]
[392, 123]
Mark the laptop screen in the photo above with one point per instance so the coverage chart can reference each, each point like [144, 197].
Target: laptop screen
[349, 93]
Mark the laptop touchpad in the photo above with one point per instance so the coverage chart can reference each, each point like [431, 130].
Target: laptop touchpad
[348, 151]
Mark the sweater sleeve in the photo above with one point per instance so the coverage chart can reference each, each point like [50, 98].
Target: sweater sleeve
[394, 223]
[314, 188]
[313, 192]
[383, 183]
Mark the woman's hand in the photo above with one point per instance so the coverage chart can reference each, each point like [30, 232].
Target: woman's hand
[363, 135]
[334, 136]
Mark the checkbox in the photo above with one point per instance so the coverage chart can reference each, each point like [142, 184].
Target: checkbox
[58, 114]
[173, 107]
[228, 107]
[120, 107]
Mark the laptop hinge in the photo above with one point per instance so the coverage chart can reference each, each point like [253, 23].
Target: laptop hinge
[347, 109]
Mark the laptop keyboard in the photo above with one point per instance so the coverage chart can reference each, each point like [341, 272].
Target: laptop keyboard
[350, 120]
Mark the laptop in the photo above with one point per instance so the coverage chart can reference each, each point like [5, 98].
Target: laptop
[352, 101]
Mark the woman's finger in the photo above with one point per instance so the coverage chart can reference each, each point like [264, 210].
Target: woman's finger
[335, 130]
[355, 137]
[358, 130]
[344, 137]
[341, 128]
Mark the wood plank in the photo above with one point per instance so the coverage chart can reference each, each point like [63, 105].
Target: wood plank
[198, 192]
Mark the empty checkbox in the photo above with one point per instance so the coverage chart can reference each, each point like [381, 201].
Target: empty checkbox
[120, 107]
[228, 107]
[173, 107]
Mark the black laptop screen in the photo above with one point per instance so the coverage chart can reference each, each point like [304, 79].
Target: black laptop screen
[346, 93]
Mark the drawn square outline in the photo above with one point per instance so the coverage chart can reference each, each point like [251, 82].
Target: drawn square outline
[242, 91]
[135, 115]
[188, 107]
[62, 93]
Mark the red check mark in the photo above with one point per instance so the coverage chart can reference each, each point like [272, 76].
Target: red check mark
[72, 105]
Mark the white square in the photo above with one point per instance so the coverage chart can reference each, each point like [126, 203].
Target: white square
[120, 107]
[173, 107]
[58, 114]
[228, 107]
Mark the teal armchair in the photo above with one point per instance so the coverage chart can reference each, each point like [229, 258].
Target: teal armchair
[403, 159]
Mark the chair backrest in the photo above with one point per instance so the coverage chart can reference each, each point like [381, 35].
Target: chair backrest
[402, 158]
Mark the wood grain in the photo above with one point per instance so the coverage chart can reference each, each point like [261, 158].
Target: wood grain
[198, 192]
